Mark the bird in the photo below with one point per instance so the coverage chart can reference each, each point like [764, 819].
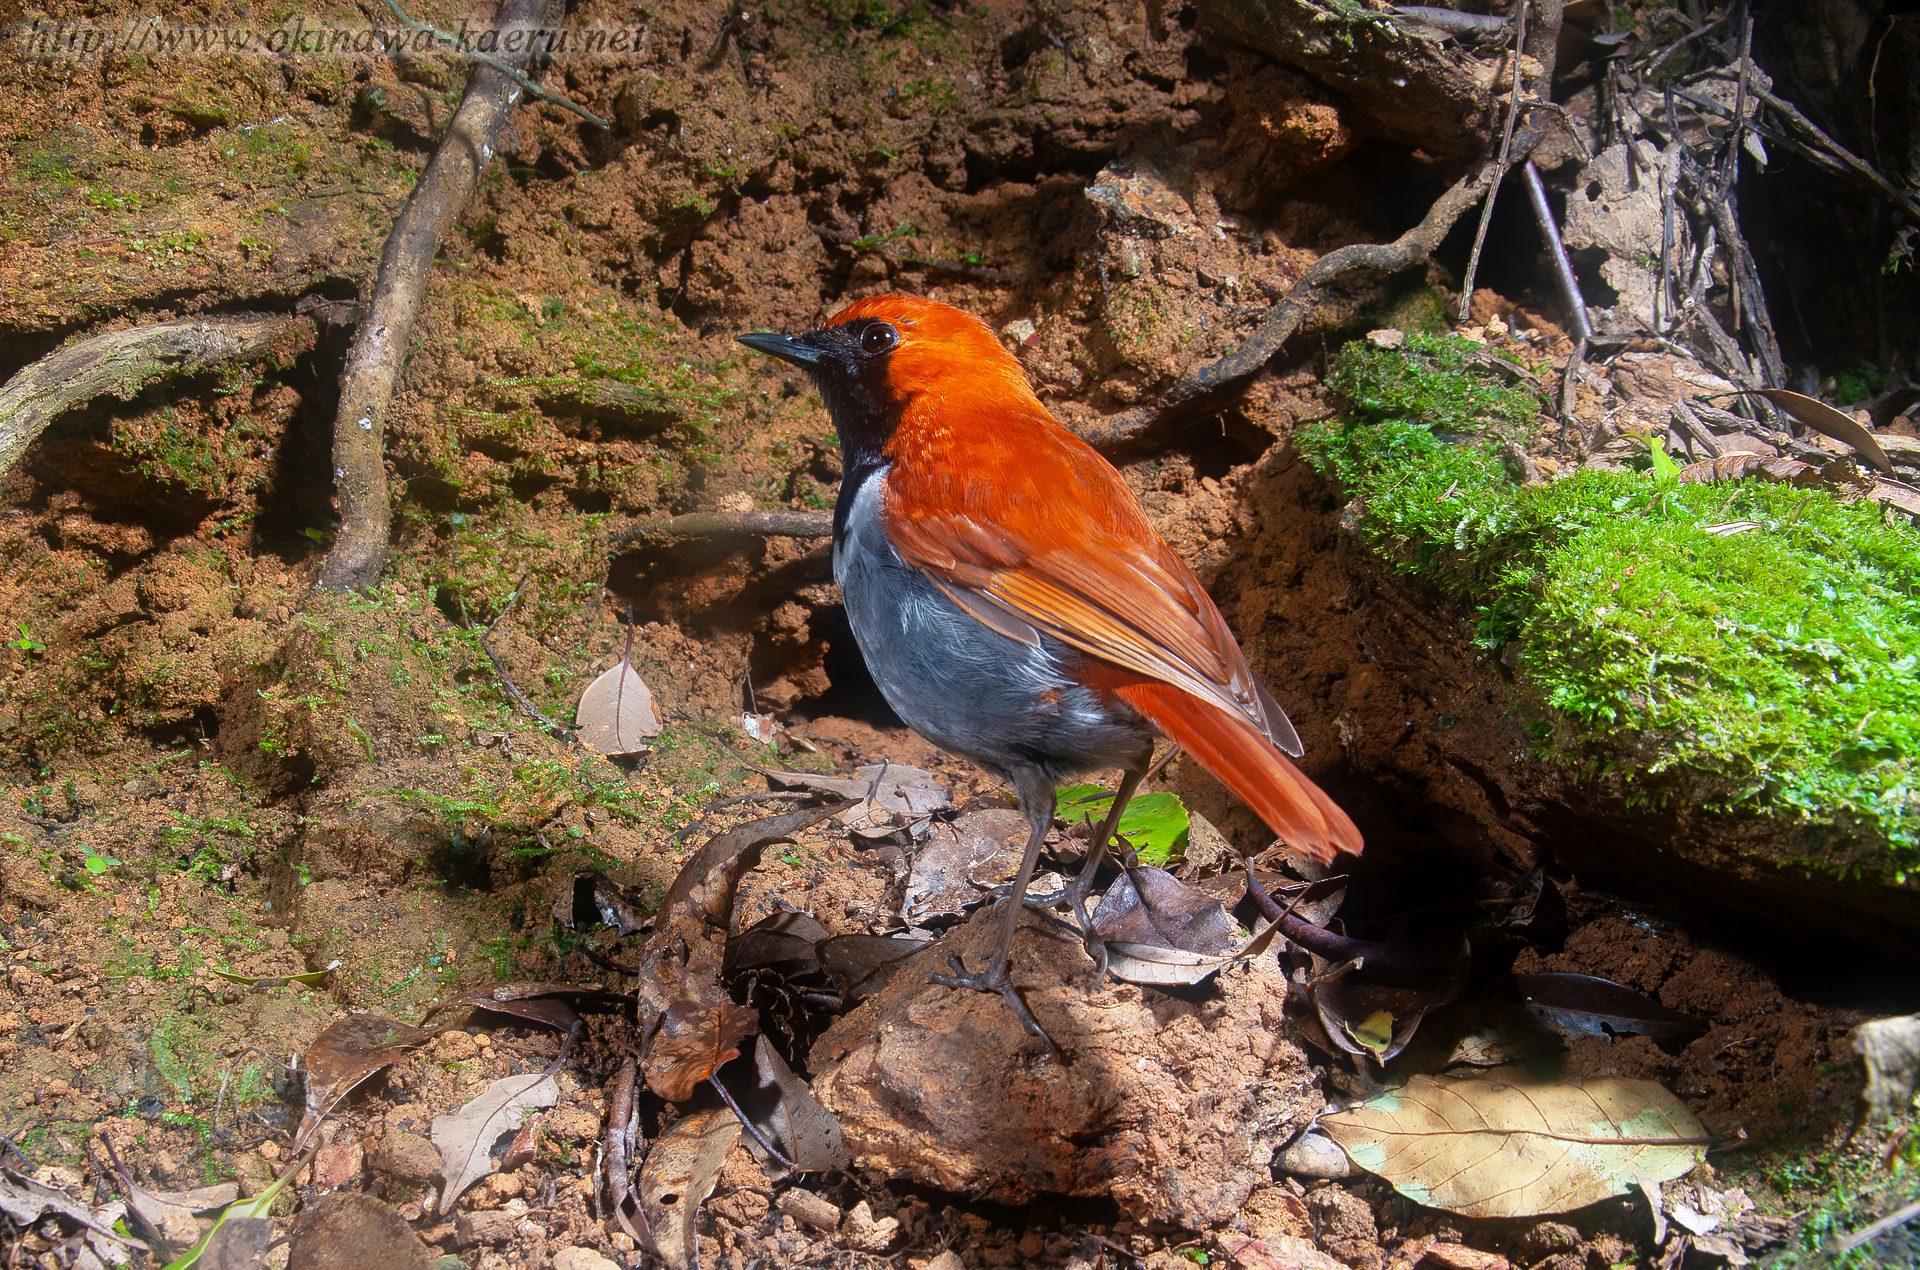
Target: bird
[1015, 605]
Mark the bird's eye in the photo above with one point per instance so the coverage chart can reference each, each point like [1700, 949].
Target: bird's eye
[878, 338]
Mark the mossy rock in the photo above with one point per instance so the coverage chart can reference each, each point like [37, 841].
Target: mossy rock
[1708, 688]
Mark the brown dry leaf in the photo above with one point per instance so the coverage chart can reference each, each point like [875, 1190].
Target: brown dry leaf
[864, 964]
[1147, 905]
[1489, 1147]
[1587, 1005]
[702, 890]
[535, 1001]
[1733, 467]
[239, 1243]
[1828, 421]
[1484, 1032]
[465, 1137]
[345, 1053]
[616, 713]
[782, 942]
[348, 1230]
[809, 1133]
[697, 1036]
[1376, 1007]
[906, 790]
[679, 1174]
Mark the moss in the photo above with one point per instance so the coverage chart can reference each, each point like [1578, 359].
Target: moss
[1775, 657]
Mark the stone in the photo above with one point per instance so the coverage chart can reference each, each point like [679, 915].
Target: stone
[409, 1157]
[582, 1259]
[805, 1206]
[1174, 1109]
[485, 1227]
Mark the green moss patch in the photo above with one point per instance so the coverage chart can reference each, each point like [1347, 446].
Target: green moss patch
[1776, 657]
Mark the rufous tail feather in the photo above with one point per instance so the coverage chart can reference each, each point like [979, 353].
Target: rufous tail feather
[1293, 806]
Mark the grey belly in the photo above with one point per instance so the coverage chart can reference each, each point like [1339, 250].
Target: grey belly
[964, 686]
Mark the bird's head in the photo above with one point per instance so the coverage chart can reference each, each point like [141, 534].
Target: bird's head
[889, 356]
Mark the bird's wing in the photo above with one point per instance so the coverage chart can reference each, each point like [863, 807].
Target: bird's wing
[1057, 543]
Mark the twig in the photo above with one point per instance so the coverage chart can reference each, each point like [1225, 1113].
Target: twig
[119, 362]
[1562, 266]
[506, 680]
[1500, 166]
[380, 346]
[782, 524]
[1226, 375]
[507, 606]
[1847, 1243]
[751, 1127]
[513, 73]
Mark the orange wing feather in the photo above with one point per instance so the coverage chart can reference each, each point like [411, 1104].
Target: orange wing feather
[1030, 529]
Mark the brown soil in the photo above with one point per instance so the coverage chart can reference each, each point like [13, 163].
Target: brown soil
[214, 775]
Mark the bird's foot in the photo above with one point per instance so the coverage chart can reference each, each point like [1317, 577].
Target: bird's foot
[995, 979]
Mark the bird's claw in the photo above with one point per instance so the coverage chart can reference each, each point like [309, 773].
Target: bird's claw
[995, 979]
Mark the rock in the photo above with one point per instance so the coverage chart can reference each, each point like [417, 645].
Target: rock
[347, 1230]
[947, 1260]
[805, 1206]
[408, 1157]
[1282, 1252]
[486, 1227]
[1461, 1257]
[1175, 1109]
[1315, 1155]
[864, 1234]
[337, 1164]
[582, 1259]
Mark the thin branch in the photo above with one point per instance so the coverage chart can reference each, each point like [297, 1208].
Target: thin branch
[513, 73]
[1557, 250]
[1847, 1243]
[777, 524]
[1227, 375]
[380, 346]
[1500, 165]
[120, 362]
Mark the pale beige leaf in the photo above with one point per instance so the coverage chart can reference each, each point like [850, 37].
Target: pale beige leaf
[677, 1178]
[465, 1137]
[1823, 418]
[1493, 1148]
[616, 712]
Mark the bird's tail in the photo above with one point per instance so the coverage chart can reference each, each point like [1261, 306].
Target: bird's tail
[1293, 806]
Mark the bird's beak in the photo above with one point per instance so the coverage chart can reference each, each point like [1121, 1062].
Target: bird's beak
[788, 348]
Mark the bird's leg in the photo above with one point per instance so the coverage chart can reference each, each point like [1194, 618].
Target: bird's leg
[1075, 896]
[1037, 800]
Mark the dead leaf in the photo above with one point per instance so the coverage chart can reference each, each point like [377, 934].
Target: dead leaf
[1828, 421]
[465, 1137]
[697, 1037]
[1376, 1008]
[784, 1110]
[1152, 964]
[172, 1222]
[679, 1174]
[24, 1200]
[905, 790]
[959, 862]
[1489, 1147]
[348, 1230]
[697, 891]
[864, 964]
[1734, 467]
[1147, 905]
[535, 1001]
[346, 1052]
[1586, 1005]
[616, 714]
[240, 1244]
[783, 943]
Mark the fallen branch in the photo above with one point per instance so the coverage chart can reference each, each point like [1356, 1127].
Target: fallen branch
[380, 346]
[786, 524]
[1228, 374]
[120, 362]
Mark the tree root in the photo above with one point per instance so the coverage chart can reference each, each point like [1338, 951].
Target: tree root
[1220, 379]
[781, 524]
[380, 346]
[119, 362]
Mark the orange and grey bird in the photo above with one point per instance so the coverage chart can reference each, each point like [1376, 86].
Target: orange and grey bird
[1013, 602]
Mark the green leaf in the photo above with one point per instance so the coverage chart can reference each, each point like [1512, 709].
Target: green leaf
[101, 863]
[1155, 825]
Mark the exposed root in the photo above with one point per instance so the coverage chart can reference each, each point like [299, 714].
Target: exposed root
[794, 524]
[380, 346]
[119, 362]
